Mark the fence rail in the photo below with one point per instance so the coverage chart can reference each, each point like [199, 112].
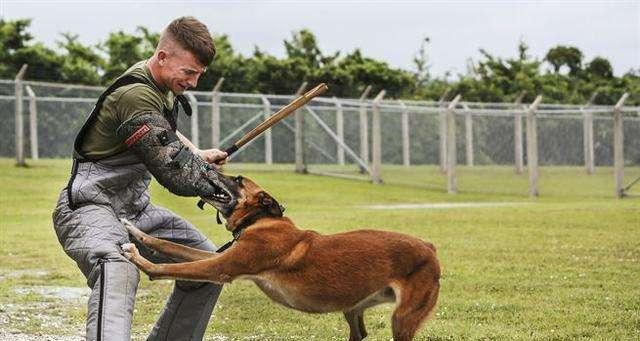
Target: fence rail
[365, 132]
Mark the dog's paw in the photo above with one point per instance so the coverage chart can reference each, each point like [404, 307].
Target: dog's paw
[134, 231]
[129, 251]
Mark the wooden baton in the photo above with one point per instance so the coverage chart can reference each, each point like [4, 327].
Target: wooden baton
[277, 117]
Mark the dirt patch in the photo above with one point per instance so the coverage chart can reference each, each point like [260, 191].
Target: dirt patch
[62, 293]
[7, 274]
[17, 336]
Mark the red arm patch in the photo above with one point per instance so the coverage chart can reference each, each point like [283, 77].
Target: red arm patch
[137, 135]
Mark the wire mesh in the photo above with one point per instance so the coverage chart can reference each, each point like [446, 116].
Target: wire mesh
[486, 160]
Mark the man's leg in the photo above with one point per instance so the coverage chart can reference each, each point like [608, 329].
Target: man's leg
[188, 309]
[91, 236]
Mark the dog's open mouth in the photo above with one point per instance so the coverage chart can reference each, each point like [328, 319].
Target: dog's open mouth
[219, 196]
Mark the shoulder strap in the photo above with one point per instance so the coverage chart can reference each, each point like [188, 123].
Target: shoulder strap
[125, 80]
[120, 82]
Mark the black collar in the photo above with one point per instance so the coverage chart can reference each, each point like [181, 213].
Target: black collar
[246, 222]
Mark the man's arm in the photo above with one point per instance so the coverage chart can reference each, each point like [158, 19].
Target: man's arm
[172, 163]
[212, 156]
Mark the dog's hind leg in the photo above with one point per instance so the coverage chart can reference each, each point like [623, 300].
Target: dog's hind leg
[171, 249]
[357, 330]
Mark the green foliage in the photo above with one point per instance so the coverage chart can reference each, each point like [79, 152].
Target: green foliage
[600, 68]
[491, 78]
[568, 56]
[81, 63]
[123, 50]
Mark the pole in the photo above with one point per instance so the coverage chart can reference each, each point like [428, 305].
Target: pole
[532, 147]
[452, 186]
[215, 114]
[406, 157]
[195, 128]
[364, 129]
[19, 124]
[618, 146]
[442, 116]
[268, 150]
[468, 127]
[587, 136]
[517, 132]
[301, 165]
[33, 122]
[376, 140]
[339, 129]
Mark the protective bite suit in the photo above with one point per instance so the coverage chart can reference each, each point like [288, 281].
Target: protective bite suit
[86, 221]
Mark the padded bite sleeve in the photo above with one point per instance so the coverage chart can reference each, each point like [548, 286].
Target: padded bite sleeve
[150, 137]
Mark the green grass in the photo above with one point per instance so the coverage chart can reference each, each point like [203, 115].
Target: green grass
[564, 266]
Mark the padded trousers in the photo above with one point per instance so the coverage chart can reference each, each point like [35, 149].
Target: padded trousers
[91, 235]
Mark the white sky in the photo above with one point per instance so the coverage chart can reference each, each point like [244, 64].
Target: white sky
[386, 30]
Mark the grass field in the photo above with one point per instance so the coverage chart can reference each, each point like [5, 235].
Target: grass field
[565, 266]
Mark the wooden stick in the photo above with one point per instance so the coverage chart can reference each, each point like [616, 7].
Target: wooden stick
[278, 116]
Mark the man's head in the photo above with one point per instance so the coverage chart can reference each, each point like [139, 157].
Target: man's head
[183, 53]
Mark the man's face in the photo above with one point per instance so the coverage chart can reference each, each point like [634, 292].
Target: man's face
[181, 70]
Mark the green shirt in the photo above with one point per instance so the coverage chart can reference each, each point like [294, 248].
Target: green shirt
[125, 102]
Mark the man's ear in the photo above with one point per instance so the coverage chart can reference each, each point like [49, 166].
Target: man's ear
[162, 57]
[270, 204]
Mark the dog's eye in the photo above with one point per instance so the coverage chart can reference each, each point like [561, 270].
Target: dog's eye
[238, 180]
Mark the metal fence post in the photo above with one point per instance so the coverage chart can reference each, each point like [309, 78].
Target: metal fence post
[301, 165]
[19, 124]
[451, 158]
[618, 146]
[195, 134]
[532, 147]
[376, 140]
[468, 129]
[339, 129]
[364, 128]
[406, 156]
[215, 114]
[268, 146]
[587, 136]
[517, 133]
[33, 122]
[442, 117]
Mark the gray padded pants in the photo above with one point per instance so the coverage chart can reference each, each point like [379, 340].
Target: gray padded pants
[92, 234]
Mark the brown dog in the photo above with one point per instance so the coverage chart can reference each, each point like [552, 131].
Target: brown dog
[305, 270]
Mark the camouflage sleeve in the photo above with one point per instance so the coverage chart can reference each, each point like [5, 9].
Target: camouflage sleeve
[150, 137]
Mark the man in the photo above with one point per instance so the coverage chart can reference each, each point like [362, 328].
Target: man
[131, 133]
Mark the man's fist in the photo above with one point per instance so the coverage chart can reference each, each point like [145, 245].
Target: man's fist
[215, 157]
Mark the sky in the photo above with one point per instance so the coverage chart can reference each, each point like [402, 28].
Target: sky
[386, 30]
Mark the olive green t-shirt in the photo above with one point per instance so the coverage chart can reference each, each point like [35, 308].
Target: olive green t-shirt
[100, 139]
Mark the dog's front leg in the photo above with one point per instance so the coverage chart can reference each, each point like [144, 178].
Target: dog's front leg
[171, 249]
[206, 270]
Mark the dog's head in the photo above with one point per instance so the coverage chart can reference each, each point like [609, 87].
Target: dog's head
[248, 201]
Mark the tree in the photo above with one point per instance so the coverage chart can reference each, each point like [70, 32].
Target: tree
[421, 61]
[304, 45]
[81, 64]
[13, 37]
[123, 50]
[600, 68]
[568, 56]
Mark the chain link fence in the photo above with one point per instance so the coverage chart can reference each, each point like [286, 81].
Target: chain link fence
[409, 136]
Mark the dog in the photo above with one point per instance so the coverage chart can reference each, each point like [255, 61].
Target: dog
[303, 269]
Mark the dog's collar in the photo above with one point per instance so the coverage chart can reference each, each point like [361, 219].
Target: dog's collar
[246, 222]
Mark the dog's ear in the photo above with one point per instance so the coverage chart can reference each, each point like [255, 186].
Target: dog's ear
[270, 204]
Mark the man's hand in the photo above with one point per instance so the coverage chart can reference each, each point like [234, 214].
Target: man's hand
[215, 157]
